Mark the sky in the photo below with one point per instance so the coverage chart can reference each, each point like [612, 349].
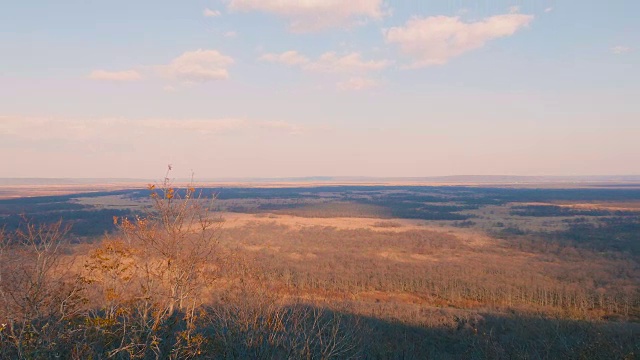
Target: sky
[293, 88]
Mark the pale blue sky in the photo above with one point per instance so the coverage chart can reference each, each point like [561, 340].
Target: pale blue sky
[268, 88]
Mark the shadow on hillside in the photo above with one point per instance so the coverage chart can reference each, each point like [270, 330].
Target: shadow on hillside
[271, 332]
[490, 336]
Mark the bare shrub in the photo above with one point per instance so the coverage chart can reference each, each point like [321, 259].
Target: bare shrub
[256, 326]
[37, 288]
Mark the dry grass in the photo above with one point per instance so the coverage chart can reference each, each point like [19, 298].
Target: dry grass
[387, 224]
[234, 220]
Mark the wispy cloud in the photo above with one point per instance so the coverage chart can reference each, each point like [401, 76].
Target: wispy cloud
[329, 62]
[123, 76]
[357, 83]
[620, 50]
[548, 10]
[283, 126]
[313, 15]
[211, 13]
[333, 63]
[92, 129]
[47, 128]
[436, 40]
[132, 147]
[291, 58]
[197, 66]
[230, 34]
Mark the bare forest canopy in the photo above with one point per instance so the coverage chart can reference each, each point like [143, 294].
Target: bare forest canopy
[323, 272]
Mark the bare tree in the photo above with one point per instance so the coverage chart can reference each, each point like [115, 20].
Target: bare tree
[178, 241]
[155, 276]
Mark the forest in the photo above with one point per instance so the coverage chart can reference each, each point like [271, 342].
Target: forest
[330, 272]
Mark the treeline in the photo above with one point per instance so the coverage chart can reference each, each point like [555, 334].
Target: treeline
[406, 209]
[84, 223]
[616, 236]
[554, 210]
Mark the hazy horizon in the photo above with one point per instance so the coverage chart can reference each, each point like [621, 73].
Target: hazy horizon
[355, 180]
[266, 89]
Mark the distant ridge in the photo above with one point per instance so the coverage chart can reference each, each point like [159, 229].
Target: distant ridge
[490, 179]
[452, 179]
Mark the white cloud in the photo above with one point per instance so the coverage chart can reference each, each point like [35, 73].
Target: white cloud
[312, 15]
[620, 49]
[548, 10]
[291, 58]
[103, 75]
[198, 66]
[211, 13]
[230, 34]
[357, 83]
[436, 40]
[329, 62]
[514, 9]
